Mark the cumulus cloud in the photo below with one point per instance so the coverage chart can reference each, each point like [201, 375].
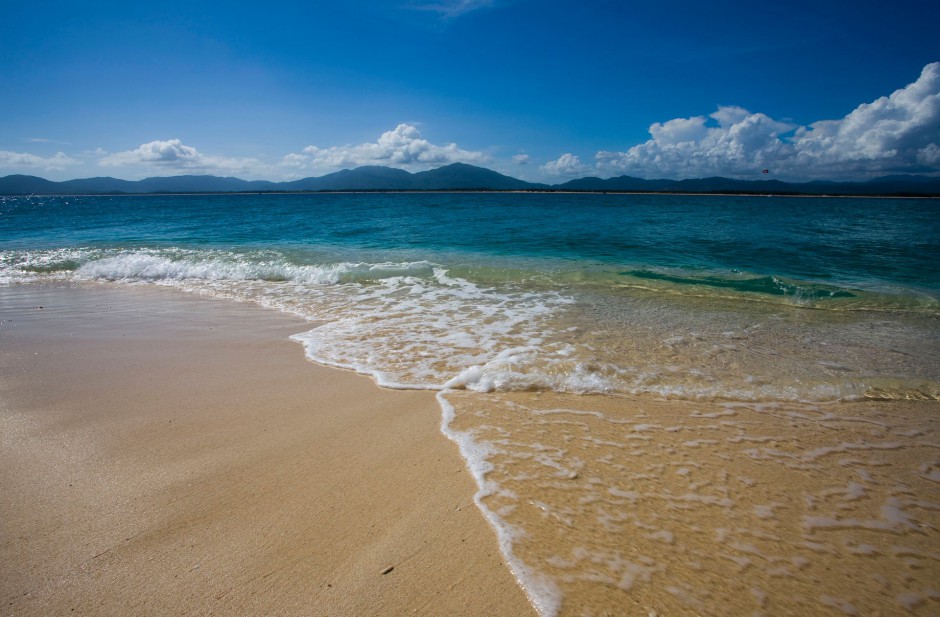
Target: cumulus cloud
[521, 159]
[402, 147]
[23, 160]
[174, 156]
[295, 161]
[565, 165]
[900, 131]
[896, 133]
[170, 152]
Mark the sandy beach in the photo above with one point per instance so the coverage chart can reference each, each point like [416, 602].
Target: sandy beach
[167, 455]
[646, 440]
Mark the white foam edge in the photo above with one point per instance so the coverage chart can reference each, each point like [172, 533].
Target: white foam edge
[541, 591]
[381, 379]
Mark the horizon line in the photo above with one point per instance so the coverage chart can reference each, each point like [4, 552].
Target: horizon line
[924, 176]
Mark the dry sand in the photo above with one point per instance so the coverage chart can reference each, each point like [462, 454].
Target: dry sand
[169, 455]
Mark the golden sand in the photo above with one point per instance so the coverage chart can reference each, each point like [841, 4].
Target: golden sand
[164, 455]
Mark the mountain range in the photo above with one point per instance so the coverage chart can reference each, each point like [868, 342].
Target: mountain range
[462, 177]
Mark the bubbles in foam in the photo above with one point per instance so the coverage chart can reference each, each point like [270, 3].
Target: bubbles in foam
[722, 542]
[413, 331]
[416, 324]
[409, 324]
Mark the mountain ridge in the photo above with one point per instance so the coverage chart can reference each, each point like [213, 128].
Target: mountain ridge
[458, 177]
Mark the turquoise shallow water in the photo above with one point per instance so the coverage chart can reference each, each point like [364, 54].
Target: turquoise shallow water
[873, 244]
[580, 293]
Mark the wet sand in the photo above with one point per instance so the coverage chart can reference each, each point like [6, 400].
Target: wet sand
[164, 455]
[644, 506]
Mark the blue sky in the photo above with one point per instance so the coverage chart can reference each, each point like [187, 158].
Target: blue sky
[541, 90]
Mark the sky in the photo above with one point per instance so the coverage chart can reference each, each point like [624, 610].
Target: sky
[543, 90]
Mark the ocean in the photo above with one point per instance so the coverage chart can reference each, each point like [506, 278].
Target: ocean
[672, 404]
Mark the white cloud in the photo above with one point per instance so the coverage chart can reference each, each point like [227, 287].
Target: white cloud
[174, 156]
[44, 140]
[740, 143]
[565, 165]
[170, 152]
[23, 160]
[892, 133]
[929, 155]
[679, 130]
[521, 159]
[295, 161]
[453, 8]
[402, 147]
[896, 133]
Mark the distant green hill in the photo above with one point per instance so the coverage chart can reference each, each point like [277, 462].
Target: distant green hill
[463, 176]
[460, 176]
[889, 185]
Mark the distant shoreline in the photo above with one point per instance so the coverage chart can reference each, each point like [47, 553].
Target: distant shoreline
[484, 191]
[463, 178]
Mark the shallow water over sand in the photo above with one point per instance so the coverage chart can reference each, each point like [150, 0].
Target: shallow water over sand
[641, 506]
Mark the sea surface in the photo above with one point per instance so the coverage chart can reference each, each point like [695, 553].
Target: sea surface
[672, 404]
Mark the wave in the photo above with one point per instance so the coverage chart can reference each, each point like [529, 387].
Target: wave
[780, 290]
[420, 324]
[769, 285]
[150, 265]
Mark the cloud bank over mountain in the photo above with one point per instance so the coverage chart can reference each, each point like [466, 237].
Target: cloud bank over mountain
[403, 147]
[899, 133]
[567, 165]
[26, 161]
[173, 156]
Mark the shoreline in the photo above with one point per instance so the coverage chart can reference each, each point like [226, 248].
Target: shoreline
[164, 453]
[247, 481]
[485, 192]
